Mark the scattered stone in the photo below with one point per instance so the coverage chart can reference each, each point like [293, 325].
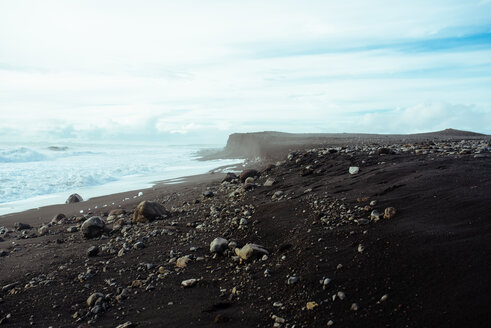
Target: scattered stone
[249, 180]
[218, 245]
[375, 215]
[229, 177]
[251, 250]
[91, 301]
[127, 324]
[148, 211]
[384, 298]
[208, 194]
[3, 252]
[139, 245]
[183, 261]
[311, 305]
[277, 319]
[353, 169]
[72, 229]
[58, 219]
[278, 194]
[243, 221]
[389, 213]
[74, 198]
[341, 295]
[373, 203]
[93, 251]
[330, 323]
[354, 307]
[93, 227]
[248, 173]
[361, 248]
[292, 280]
[43, 230]
[114, 214]
[189, 282]
[269, 182]
[22, 226]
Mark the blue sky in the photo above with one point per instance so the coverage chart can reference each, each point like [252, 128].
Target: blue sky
[198, 71]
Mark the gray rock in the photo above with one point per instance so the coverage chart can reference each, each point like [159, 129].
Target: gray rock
[248, 173]
[375, 215]
[22, 226]
[278, 194]
[3, 252]
[127, 324]
[218, 245]
[93, 227]
[94, 298]
[292, 280]
[74, 198]
[72, 229]
[353, 169]
[243, 221]
[139, 245]
[189, 283]
[58, 219]
[43, 230]
[93, 251]
[208, 194]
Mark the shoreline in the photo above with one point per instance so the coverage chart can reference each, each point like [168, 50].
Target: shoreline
[114, 200]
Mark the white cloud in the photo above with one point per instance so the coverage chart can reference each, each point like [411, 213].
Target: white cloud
[185, 67]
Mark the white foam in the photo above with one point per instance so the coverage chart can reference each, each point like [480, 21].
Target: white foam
[37, 176]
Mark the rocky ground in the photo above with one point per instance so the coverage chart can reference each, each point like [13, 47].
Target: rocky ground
[394, 235]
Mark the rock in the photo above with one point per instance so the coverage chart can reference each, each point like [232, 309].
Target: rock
[189, 283]
[93, 251]
[148, 211]
[354, 307]
[389, 213]
[72, 229]
[93, 227]
[248, 173]
[3, 252]
[139, 245]
[43, 230]
[22, 226]
[353, 169]
[127, 324]
[183, 261]
[311, 305]
[229, 177]
[114, 214]
[373, 203]
[361, 248]
[58, 219]
[243, 221]
[94, 298]
[249, 180]
[384, 151]
[306, 171]
[74, 198]
[208, 193]
[341, 295]
[292, 280]
[218, 245]
[278, 194]
[330, 323]
[269, 182]
[384, 298]
[375, 215]
[3, 230]
[250, 251]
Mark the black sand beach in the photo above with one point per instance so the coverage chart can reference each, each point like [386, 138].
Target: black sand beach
[332, 259]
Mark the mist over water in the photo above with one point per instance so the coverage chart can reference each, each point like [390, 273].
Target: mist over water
[36, 175]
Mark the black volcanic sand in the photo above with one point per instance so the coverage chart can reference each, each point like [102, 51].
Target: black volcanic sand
[432, 259]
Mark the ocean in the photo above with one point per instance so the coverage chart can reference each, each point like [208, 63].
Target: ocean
[36, 175]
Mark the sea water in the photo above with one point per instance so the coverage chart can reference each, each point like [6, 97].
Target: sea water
[37, 175]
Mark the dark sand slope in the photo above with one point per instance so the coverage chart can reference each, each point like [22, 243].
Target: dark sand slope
[432, 259]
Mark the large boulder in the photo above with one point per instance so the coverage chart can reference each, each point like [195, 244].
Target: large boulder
[74, 198]
[93, 227]
[248, 173]
[148, 211]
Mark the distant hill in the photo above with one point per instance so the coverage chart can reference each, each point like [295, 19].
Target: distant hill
[273, 145]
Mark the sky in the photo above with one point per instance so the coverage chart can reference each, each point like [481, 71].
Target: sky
[158, 71]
